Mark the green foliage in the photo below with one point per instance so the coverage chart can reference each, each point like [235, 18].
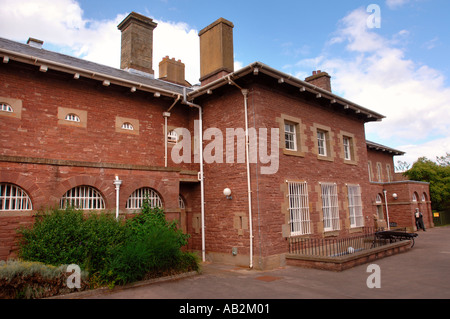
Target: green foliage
[438, 175]
[68, 237]
[113, 252]
[29, 280]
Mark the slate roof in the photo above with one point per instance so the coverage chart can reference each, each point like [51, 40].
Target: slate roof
[40, 56]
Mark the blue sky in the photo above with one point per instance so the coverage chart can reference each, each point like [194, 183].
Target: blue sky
[400, 69]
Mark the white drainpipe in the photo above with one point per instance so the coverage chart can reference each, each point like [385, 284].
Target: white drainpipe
[117, 182]
[200, 176]
[249, 187]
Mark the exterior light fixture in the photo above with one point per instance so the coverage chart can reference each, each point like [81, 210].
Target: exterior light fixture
[117, 182]
[395, 196]
[227, 193]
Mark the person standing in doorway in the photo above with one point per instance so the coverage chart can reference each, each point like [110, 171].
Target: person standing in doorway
[419, 220]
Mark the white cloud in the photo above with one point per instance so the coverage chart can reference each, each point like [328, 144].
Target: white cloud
[373, 72]
[393, 4]
[61, 25]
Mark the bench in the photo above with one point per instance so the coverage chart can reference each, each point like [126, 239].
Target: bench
[393, 236]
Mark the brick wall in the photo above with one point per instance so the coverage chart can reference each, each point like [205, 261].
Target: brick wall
[46, 156]
[227, 220]
[40, 132]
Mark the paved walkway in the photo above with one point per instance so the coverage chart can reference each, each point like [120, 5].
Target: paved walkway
[421, 273]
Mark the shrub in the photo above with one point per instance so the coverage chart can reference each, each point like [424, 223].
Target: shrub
[67, 237]
[112, 252]
[29, 280]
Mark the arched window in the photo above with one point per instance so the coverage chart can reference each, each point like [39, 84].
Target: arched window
[181, 203]
[139, 195]
[13, 197]
[5, 107]
[414, 197]
[172, 137]
[127, 126]
[83, 197]
[378, 199]
[71, 117]
[424, 197]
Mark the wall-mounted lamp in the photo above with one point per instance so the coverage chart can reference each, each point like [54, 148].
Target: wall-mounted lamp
[395, 195]
[117, 182]
[227, 193]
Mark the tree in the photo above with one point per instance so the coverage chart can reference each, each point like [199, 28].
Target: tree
[438, 175]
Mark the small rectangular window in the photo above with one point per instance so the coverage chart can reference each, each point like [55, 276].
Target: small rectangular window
[347, 148]
[322, 143]
[290, 137]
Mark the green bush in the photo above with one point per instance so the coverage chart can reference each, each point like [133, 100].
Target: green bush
[68, 237]
[29, 280]
[111, 251]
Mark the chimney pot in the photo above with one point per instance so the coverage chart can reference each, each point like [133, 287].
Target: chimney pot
[35, 43]
[172, 70]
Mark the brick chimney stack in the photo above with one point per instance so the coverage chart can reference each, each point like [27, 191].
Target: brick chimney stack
[172, 70]
[320, 79]
[216, 50]
[137, 43]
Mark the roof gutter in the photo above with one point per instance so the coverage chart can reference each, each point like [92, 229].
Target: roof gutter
[282, 77]
[77, 72]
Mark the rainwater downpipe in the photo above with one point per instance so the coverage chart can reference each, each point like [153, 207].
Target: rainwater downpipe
[200, 177]
[249, 188]
[387, 211]
[166, 115]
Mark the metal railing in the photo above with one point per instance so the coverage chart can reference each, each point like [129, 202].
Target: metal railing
[335, 247]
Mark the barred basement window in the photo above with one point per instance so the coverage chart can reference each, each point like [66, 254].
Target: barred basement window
[13, 197]
[330, 207]
[299, 220]
[83, 197]
[138, 196]
[355, 206]
[72, 118]
[4, 107]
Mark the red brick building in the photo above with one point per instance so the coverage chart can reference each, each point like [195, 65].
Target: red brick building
[293, 154]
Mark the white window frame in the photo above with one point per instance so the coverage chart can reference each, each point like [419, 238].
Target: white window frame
[347, 148]
[137, 198]
[72, 117]
[172, 137]
[14, 198]
[5, 107]
[299, 217]
[330, 206]
[290, 136]
[127, 126]
[322, 143]
[355, 206]
[414, 197]
[83, 197]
